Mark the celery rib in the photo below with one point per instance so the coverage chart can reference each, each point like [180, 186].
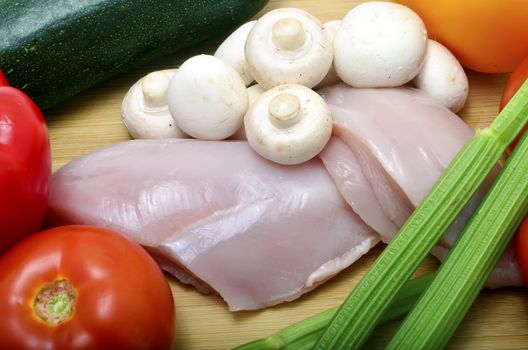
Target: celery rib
[471, 261]
[304, 334]
[360, 313]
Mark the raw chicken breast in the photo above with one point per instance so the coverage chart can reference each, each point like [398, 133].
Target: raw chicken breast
[344, 167]
[402, 138]
[215, 214]
[402, 141]
[218, 216]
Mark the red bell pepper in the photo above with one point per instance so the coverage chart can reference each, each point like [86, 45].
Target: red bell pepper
[25, 166]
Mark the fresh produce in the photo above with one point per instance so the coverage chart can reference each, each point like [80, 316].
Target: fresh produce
[145, 111]
[25, 166]
[207, 98]
[486, 36]
[304, 334]
[217, 216]
[212, 235]
[288, 46]
[517, 78]
[80, 287]
[331, 76]
[379, 44]
[55, 49]
[507, 271]
[362, 310]
[231, 51]
[254, 91]
[288, 124]
[462, 275]
[521, 244]
[443, 77]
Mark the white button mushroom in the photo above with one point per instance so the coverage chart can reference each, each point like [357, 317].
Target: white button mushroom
[331, 27]
[254, 93]
[231, 51]
[289, 124]
[288, 46]
[331, 77]
[144, 109]
[443, 77]
[207, 98]
[379, 44]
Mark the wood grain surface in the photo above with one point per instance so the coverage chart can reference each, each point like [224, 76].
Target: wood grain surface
[498, 320]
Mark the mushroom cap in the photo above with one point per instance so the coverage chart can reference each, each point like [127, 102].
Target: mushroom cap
[331, 77]
[288, 46]
[144, 109]
[289, 124]
[331, 27]
[207, 98]
[379, 44]
[254, 92]
[231, 51]
[443, 77]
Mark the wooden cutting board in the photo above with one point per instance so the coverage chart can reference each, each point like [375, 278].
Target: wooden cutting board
[498, 320]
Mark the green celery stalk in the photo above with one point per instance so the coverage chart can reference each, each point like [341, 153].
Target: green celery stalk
[363, 309]
[304, 334]
[440, 310]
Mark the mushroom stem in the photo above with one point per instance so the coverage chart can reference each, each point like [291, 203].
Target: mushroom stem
[284, 110]
[288, 34]
[155, 86]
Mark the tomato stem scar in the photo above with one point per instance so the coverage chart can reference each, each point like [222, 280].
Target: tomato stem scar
[55, 302]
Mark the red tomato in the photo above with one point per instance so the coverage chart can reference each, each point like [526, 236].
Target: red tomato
[25, 166]
[517, 78]
[521, 247]
[489, 36]
[81, 287]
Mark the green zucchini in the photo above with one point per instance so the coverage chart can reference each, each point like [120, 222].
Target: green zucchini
[54, 49]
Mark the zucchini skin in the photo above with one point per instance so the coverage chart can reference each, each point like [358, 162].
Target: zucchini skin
[55, 49]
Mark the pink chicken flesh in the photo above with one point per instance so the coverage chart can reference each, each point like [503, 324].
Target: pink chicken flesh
[402, 140]
[216, 215]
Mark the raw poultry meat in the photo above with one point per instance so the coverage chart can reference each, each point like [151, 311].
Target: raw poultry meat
[345, 169]
[217, 215]
[402, 140]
